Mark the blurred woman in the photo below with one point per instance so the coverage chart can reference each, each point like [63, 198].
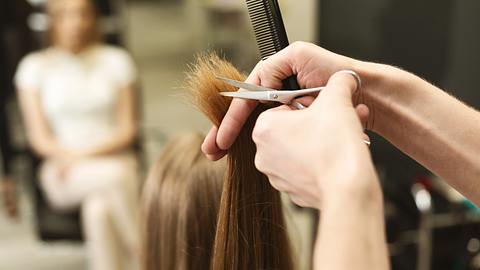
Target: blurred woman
[77, 98]
[181, 199]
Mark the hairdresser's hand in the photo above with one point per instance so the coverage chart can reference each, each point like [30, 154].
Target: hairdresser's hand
[318, 155]
[312, 65]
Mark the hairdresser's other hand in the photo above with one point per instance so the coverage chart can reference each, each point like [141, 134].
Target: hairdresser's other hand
[312, 65]
[317, 155]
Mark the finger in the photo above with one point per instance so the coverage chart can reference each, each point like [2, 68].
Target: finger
[339, 90]
[277, 68]
[233, 122]
[362, 112]
[291, 61]
[297, 200]
[209, 145]
[366, 139]
[269, 73]
[237, 115]
[263, 124]
[305, 101]
[279, 109]
[216, 156]
[278, 183]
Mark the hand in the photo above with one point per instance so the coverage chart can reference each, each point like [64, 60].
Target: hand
[9, 196]
[65, 162]
[317, 154]
[312, 65]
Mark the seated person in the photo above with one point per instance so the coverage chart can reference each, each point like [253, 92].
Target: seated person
[181, 199]
[77, 99]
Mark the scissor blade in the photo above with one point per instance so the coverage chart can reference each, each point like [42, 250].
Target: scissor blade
[247, 95]
[243, 85]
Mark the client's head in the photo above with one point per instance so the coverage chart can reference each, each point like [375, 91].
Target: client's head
[181, 199]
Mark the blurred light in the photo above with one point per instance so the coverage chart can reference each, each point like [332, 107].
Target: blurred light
[422, 197]
[473, 245]
[38, 22]
[36, 2]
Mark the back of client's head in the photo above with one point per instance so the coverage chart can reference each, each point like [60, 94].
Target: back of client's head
[180, 207]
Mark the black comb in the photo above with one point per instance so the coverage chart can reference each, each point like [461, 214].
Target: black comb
[270, 33]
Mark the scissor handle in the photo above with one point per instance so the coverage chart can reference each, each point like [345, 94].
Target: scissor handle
[288, 96]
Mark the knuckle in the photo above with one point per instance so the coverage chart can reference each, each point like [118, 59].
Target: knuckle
[259, 69]
[298, 45]
[296, 200]
[206, 149]
[302, 50]
[262, 128]
[258, 65]
[274, 184]
[259, 164]
[302, 201]
[301, 47]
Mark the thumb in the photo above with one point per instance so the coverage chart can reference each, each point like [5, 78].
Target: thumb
[339, 89]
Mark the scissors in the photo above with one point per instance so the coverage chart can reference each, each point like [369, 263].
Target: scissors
[255, 92]
[261, 93]
[251, 91]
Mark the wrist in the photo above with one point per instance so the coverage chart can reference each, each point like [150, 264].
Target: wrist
[358, 187]
[357, 200]
[347, 226]
[384, 91]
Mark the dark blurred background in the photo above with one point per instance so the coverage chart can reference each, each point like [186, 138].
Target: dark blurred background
[440, 41]
[429, 225]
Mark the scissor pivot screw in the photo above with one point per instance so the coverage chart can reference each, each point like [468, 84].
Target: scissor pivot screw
[274, 96]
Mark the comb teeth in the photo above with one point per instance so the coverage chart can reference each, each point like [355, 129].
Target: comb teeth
[268, 26]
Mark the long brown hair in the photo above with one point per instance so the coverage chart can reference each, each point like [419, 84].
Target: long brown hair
[180, 207]
[251, 231]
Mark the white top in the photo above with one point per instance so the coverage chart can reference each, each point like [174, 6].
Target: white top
[79, 92]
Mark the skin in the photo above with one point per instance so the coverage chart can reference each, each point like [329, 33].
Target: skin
[73, 23]
[316, 155]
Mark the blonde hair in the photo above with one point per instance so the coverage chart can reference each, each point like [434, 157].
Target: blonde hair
[251, 231]
[52, 8]
[180, 207]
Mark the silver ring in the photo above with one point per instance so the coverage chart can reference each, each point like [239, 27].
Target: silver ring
[355, 75]
[298, 105]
